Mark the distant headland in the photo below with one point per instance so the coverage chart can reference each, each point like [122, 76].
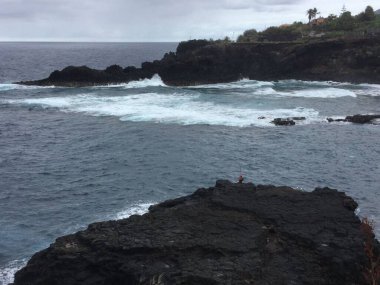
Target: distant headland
[335, 48]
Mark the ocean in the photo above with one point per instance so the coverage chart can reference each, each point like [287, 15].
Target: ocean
[73, 156]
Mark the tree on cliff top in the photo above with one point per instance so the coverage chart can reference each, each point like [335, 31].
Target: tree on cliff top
[367, 15]
[312, 13]
[345, 22]
[248, 36]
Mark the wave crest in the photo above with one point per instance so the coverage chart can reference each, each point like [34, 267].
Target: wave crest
[137, 209]
[11, 86]
[185, 109]
[155, 81]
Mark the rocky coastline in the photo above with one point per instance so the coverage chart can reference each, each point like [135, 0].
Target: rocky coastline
[203, 62]
[227, 234]
[358, 119]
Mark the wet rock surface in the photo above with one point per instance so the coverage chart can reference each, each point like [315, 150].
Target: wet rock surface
[357, 119]
[283, 122]
[227, 234]
[203, 62]
[287, 121]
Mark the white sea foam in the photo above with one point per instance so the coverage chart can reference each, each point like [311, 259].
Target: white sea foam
[10, 86]
[137, 209]
[155, 81]
[319, 93]
[6, 87]
[369, 90]
[186, 109]
[241, 84]
[8, 271]
[314, 83]
[306, 89]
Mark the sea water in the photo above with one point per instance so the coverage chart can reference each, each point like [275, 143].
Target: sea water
[73, 156]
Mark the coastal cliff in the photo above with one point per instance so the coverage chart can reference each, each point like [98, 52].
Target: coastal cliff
[202, 62]
[226, 234]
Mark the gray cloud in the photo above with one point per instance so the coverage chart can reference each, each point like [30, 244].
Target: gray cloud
[152, 20]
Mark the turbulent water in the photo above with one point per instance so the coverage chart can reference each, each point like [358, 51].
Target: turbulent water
[72, 156]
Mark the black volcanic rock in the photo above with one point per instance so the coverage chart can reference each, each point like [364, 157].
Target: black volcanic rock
[357, 119]
[203, 62]
[362, 119]
[287, 121]
[283, 122]
[227, 234]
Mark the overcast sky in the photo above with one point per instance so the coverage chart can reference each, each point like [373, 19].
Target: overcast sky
[153, 20]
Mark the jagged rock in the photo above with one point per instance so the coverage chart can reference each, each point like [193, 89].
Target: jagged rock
[203, 62]
[362, 119]
[358, 119]
[227, 234]
[283, 122]
[114, 69]
[297, 118]
[330, 120]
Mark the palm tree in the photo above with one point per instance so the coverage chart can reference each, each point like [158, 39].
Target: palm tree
[311, 14]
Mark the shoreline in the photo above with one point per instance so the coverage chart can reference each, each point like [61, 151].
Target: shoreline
[199, 62]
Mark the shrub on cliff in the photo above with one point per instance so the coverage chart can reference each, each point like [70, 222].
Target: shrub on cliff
[345, 22]
[367, 15]
[248, 36]
[191, 45]
[279, 34]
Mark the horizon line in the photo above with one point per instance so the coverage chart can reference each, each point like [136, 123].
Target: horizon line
[70, 41]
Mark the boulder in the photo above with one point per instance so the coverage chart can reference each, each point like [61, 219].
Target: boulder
[283, 122]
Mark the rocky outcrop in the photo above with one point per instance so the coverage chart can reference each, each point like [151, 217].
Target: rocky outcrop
[227, 234]
[357, 119]
[287, 121]
[202, 62]
[283, 122]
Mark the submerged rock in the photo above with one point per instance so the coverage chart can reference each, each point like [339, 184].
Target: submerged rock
[227, 234]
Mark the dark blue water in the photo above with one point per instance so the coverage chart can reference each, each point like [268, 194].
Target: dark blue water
[72, 156]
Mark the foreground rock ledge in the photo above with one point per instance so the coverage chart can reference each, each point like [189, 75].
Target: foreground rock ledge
[227, 234]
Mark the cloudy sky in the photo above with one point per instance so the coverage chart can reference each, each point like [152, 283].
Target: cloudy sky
[153, 20]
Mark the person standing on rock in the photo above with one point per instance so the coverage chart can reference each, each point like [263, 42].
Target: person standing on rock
[241, 179]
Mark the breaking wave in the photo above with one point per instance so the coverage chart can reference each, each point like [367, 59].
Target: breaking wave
[137, 209]
[7, 273]
[319, 93]
[175, 108]
[155, 81]
[10, 86]
[297, 88]
[241, 84]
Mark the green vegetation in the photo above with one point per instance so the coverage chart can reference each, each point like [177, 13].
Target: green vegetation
[312, 14]
[365, 24]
